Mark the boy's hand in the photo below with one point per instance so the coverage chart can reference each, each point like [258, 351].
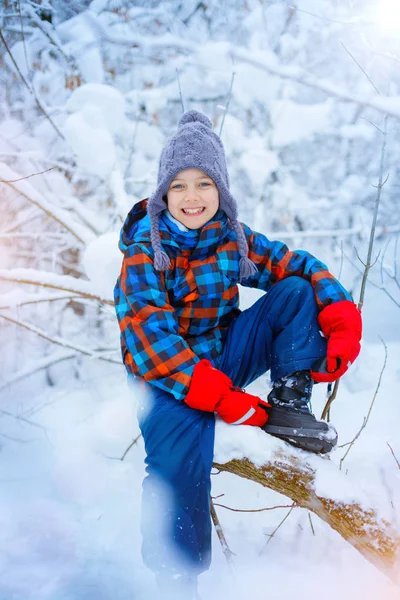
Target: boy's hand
[341, 325]
[211, 390]
[237, 407]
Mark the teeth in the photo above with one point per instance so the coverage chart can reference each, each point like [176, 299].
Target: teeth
[193, 211]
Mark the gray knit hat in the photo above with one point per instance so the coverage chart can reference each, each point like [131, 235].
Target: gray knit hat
[195, 146]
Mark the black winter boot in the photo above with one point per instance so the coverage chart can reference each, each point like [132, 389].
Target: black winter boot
[291, 418]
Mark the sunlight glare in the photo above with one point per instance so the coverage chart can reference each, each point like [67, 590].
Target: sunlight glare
[386, 15]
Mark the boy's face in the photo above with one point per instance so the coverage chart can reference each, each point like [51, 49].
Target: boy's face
[193, 198]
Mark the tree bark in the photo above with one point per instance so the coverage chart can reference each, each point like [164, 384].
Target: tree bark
[359, 525]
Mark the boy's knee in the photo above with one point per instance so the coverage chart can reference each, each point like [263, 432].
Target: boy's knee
[296, 284]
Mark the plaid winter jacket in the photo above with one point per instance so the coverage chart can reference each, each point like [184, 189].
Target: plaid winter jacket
[169, 321]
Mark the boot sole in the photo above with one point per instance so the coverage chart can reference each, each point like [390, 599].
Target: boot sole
[311, 440]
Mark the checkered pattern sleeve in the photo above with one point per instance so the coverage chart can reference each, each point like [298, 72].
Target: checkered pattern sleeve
[151, 345]
[275, 261]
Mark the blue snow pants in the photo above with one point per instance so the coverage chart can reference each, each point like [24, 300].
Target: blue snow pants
[279, 333]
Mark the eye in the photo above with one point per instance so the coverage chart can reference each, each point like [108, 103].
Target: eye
[205, 183]
[176, 186]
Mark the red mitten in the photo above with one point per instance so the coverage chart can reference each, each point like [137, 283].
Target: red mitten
[211, 390]
[237, 407]
[341, 325]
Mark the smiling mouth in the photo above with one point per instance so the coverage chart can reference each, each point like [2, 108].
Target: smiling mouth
[193, 211]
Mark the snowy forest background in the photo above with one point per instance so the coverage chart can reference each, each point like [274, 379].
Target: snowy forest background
[306, 95]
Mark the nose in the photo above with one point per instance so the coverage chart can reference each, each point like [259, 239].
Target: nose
[191, 194]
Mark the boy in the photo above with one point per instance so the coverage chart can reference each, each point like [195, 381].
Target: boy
[182, 333]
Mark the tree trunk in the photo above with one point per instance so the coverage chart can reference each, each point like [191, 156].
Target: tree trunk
[360, 525]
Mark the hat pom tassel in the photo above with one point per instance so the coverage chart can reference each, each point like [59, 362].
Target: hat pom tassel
[161, 261]
[246, 268]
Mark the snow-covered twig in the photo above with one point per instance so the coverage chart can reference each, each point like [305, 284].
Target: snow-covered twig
[69, 59]
[23, 188]
[30, 88]
[59, 341]
[269, 64]
[21, 22]
[53, 281]
[143, 43]
[36, 300]
[316, 233]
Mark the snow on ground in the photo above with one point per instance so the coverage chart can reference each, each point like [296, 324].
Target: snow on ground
[69, 507]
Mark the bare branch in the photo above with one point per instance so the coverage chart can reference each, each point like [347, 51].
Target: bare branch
[296, 9]
[6, 413]
[227, 103]
[375, 285]
[311, 523]
[251, 510]
[331, 398]
[394, 456]
[137, 438]
[27, 176]
[374, 219]
[373, 124]
[366, 419]
[271, 535]
[221, 536]
[180, 90]
[363, 70]
[380, 185]
[48, 362]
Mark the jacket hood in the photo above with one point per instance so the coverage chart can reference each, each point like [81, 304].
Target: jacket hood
[136, 227]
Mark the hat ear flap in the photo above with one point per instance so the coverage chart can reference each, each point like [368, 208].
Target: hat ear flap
[161, 259]
[246, 266]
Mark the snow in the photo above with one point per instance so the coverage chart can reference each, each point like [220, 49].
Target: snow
[80, 40]
[302, 155]
[86, 132]
[108, 100]
[295, 122]
[102, 262]
[243, 442]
